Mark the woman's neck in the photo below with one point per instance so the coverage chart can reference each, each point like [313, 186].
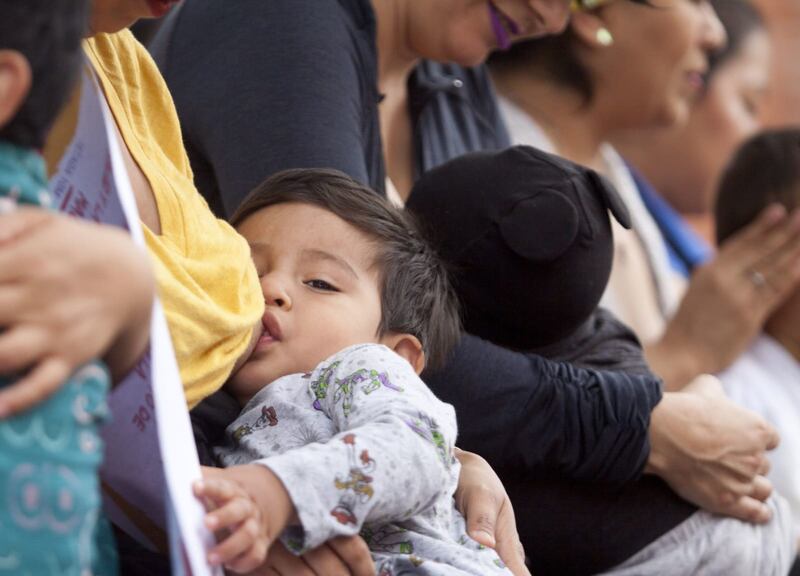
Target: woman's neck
[396, 58]
[575, 129]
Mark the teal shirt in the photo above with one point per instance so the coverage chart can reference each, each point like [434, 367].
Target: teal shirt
[50, 518]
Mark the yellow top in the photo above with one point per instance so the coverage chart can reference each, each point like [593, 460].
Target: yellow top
[206, 280]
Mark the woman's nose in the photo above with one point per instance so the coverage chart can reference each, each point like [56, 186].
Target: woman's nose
[554, 14]
[714, 36]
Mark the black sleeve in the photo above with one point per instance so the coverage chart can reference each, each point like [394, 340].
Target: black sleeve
[264, 86]
[523, 412]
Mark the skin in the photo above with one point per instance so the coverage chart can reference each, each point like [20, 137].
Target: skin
[782, 19]
[322, 294]
[490, 518]
[715, 456]
[50, 303]
[684, 163]
[456, 31]
[321, 291]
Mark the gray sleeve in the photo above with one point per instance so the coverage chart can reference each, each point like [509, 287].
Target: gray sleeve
[391, 428]
[261, 87]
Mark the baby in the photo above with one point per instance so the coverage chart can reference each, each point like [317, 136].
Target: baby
[350, 438]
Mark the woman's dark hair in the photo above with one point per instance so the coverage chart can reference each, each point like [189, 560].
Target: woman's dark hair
[416, 295]
[553, 56]
[740, 19]
[48, 34]
[765, 170]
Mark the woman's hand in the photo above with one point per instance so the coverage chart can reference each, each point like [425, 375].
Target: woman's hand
[483, 501]
[70, 291]
[344, 556]
[711, 451]
[729, 299]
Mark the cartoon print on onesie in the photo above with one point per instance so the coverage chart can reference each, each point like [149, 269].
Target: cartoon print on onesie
[357, 487]
[345, 389]
[429, 429]
[387, 538]
[268, 418]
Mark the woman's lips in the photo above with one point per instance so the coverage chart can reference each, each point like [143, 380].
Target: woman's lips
[696, 80]
[503, 27]
[160, 7]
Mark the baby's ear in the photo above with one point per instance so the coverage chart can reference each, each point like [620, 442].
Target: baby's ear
[540, 228]
[407, 346]
[15, 82]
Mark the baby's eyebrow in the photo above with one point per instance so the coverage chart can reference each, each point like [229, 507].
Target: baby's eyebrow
[315, 254]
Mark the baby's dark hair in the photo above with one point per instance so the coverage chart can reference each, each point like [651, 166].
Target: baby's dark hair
[765, 170]
[416, 295]
[48, 34]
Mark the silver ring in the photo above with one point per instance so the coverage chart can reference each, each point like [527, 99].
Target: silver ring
[758, 279]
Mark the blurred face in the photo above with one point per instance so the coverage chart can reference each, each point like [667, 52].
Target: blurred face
[655, 68]
[466, 31]
[320, 287]
[727, 115]
[111, 16]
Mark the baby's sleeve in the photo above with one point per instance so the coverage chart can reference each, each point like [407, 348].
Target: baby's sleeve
[393, 455]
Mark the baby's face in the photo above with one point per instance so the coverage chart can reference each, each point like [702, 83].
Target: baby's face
[320, 287]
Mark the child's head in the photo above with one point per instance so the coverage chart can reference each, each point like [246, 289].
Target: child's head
[528, 238]
[40, 55]
[339, 266]
[765, 170]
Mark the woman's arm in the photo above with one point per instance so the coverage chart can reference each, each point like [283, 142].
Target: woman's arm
[522, 411]
[544, 419]
[265, 86]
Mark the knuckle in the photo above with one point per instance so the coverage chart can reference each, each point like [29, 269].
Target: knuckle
[727, 498]
[251, 529]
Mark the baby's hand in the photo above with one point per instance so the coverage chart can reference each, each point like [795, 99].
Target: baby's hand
[248, 508]
[236, 520]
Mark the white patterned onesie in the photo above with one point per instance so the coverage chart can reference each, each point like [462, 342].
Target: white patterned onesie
[362, 445]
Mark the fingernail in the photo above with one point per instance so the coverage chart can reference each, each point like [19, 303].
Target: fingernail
[212, 522]
[775, 212]
[197, 486]
[213, 559]
[483, 537]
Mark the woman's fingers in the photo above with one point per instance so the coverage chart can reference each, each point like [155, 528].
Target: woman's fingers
[354, 552]
[16, 224]
[770, 244]
[35, 387]
[323, 560]
[772, 218]
[780, 272]
[761, 489]
[750, 510]
[21, 347]
[283, 563]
